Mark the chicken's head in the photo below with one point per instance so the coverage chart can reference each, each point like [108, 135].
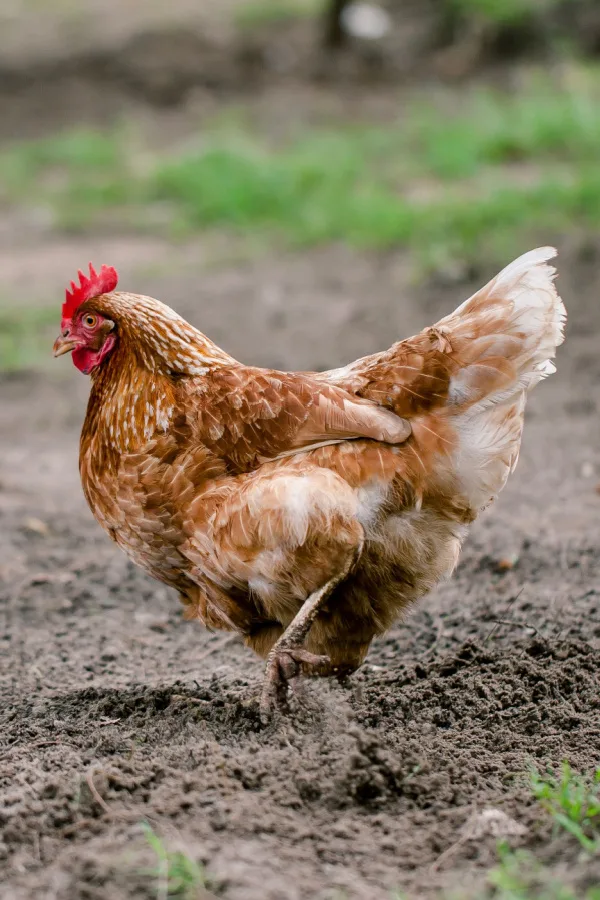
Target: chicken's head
[85, 332]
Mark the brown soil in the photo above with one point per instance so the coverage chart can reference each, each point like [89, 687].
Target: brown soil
[361, 789]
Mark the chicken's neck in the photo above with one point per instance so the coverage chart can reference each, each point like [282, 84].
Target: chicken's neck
[128, 405]
[160, 339]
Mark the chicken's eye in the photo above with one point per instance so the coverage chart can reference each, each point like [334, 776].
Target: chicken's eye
[90, 321]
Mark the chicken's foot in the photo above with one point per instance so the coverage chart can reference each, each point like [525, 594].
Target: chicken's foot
[287, 658]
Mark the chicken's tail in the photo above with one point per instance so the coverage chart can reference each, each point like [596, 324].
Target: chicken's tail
[505, 336]
[501, 342]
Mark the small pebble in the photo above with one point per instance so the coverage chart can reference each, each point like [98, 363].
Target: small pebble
[36, 526]
[506, 563]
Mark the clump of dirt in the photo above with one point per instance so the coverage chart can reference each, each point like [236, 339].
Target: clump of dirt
[114, 711]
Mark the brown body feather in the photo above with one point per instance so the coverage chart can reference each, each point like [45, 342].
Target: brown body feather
[247, 489]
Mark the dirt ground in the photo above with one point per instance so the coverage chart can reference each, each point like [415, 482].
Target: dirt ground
[365, 787]
[114, 711]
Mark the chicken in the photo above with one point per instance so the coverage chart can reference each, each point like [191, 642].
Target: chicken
[305, 511]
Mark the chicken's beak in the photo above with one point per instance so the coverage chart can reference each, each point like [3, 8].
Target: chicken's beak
[63, 344]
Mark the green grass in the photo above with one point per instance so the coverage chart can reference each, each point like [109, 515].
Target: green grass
[78, 175]
[257, 13]
[175, 874]
[573, 801]
[540, 123]
[26, 336]
[482, 174]
[519, 876]
[502, 12]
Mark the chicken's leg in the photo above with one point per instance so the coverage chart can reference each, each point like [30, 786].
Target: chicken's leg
[287, 655]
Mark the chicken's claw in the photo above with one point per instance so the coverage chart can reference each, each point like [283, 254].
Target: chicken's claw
[283, 665]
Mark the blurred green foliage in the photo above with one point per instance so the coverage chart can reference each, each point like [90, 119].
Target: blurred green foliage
[482, 174]
[26, 335]
[502, 12]
[255, 13]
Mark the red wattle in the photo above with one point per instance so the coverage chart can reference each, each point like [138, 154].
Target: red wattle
[86, 359]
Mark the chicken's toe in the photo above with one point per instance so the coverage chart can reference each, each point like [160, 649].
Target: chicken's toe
[283, 665]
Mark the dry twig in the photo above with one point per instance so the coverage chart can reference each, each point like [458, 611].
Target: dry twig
[89, 777]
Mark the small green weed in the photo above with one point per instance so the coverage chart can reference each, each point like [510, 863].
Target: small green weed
[176, 874]
[519, 876]
[573, 801]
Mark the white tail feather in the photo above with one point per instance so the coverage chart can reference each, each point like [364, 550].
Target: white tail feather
[520, 317]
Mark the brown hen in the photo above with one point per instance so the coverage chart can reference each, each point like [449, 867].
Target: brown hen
[304, 511]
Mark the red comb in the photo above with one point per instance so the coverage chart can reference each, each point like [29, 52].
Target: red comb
[101, 282]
